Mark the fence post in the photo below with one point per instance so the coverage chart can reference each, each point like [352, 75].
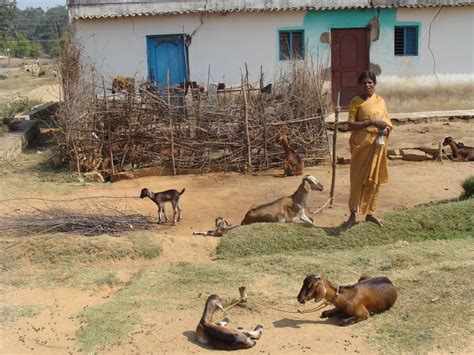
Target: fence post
[171, 121]
[246, 117]
[334, 141]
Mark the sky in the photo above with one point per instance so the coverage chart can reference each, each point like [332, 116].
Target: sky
[45, 4]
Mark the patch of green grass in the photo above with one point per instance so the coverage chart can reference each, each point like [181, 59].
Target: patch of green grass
[8, 314]
[60, 249]
[468, 186]
[432, 278]
[109, 323]
[9, 110]
[444, 221]
[178, 286]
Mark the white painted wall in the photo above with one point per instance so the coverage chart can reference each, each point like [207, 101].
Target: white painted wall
[225, 42]
[451, 41]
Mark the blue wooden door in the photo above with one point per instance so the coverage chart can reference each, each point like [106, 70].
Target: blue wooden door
[167, 53]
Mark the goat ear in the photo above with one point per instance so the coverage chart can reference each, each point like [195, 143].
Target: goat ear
[320, 292]
[226, 222]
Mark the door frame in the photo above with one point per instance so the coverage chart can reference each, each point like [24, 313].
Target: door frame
[333, 92]
[182, 39]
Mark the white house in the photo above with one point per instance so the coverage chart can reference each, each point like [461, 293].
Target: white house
[406, 42]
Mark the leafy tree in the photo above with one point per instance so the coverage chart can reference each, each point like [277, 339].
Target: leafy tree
[43, 27]
[8, 12]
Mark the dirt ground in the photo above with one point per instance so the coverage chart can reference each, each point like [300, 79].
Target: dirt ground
[20, 83]
[52, 331]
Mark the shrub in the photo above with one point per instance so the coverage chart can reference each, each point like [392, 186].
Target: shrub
[468, 186]
[8, 111]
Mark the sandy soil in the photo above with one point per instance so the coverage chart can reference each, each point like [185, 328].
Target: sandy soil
[230, 195]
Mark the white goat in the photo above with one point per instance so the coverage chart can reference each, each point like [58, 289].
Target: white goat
[285, 209]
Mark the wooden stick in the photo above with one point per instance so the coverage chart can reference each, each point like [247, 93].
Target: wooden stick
[170, 122]
[334, 141]
[246, 122]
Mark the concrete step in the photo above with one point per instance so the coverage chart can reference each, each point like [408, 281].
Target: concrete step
[21, 134]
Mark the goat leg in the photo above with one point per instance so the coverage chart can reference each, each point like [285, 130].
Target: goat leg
[304, 217]
[348, 321]
[164, 213]
[255, 334]
[159, 213]
[223, 322]
[179, 211]
[362, 314]
[330, 313]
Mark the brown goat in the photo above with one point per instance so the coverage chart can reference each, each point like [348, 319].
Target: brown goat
[222, 227]
[220, 337]
[164, 196]
[357, 301]
[285, 209]
[460, 151]
[292, 163]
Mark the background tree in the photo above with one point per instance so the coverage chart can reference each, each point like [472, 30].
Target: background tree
[32, 31]
[8, 12]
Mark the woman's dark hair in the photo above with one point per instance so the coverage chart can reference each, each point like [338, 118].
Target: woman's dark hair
[367, 74]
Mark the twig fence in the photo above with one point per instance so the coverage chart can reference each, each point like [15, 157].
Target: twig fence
[191, 130]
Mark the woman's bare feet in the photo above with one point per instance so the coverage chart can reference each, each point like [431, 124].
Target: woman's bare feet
[373, 219]
[351, 221]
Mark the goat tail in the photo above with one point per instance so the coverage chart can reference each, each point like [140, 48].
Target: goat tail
[182, 191]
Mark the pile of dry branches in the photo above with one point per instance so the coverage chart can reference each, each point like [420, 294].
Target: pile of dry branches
[60, 219]
[189, 131]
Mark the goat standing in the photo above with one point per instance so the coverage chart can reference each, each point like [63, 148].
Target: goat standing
[285, 209]
[220, 337]
[358, 301]
[164, 196]
[292, 163]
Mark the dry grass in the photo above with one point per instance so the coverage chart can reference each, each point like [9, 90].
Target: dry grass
[426, 93]
[19, 83]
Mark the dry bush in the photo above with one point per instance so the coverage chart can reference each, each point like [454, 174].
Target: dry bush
[186, 130]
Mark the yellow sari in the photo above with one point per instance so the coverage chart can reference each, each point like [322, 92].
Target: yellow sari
[368, 160]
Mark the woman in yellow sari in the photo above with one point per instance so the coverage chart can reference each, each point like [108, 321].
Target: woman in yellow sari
[370, 126]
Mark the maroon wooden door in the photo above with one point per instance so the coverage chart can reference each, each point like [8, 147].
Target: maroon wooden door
[349, 57]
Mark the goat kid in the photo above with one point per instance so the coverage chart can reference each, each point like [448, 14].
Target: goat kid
[460, 151]
[292, 163]
[165, 196]
[222, 226]
[220, 337]
[357, 301]
[285, 209]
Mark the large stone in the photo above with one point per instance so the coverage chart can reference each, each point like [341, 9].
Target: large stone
[94, 176]
[413, 155]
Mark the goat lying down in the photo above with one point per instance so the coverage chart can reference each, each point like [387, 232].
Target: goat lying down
[357, 301]
[164, 196]
[222, 227]
[460, 151]
[217, 335]
[285, 209]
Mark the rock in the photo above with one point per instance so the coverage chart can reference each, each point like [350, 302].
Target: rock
[343, 161]
[393, 152]
[420, 156]
[94, 176]
[395, 157]
[121, 176]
